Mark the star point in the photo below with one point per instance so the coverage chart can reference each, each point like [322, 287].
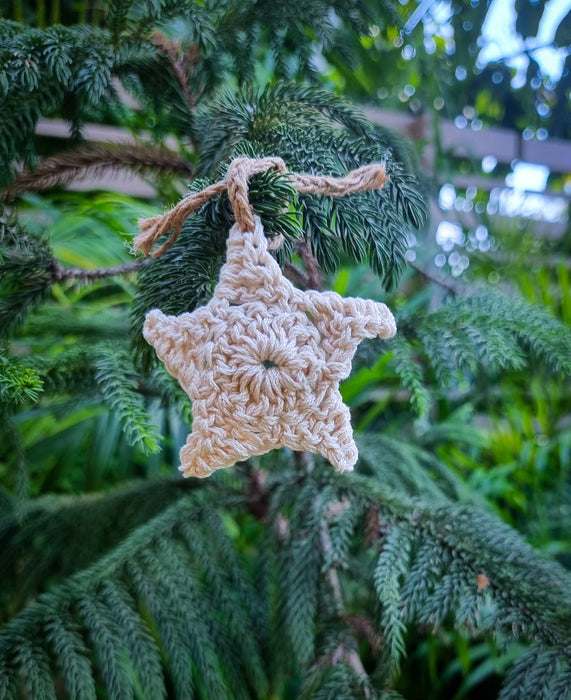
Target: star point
[262, 362]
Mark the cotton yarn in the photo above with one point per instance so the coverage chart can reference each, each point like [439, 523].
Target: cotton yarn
[262, 361]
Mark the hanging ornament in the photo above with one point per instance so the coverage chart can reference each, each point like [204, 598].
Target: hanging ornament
[262, 361]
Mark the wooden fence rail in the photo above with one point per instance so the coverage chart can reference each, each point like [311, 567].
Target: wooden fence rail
[504, 145]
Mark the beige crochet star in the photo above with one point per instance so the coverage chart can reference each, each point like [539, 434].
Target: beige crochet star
[262, 362]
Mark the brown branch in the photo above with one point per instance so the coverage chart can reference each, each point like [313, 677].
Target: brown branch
[313, 271]
[363, 627]
[257, 495]
[359, 625]
[60, 273]
[181, 63]
[343, 653]
[94, 161]
[332, 576]
[352, 658]
[449, 286]
[296, 275]
[312, 277]
[372, 526]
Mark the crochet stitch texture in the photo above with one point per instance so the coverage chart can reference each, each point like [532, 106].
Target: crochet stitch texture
[262, 362]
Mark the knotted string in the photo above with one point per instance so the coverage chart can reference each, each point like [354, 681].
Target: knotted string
[368, 177]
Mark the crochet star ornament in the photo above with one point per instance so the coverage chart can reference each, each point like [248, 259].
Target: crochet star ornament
[262, 362]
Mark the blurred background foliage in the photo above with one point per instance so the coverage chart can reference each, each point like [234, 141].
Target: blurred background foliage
[504, 435]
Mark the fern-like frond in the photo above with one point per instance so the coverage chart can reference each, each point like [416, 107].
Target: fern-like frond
[50, 538]
[408, 469]
[154, 583]
[18, 384]
[112, 402]
[409, 368]
[390, 571]
[494, 330]
[186, 600]
[486, 332]
[463, 561]
[25, 275]
[38, 68]
[299, 575]
[120, 392]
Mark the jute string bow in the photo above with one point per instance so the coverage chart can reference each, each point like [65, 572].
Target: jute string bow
[369, 177]
[262, 361]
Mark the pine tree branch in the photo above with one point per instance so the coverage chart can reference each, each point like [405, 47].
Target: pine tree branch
[60, 273]
[332, 576]
[352, 659]
[513, 582]
[180, 63]
[14, 442]
[62, 169]
[349, 655]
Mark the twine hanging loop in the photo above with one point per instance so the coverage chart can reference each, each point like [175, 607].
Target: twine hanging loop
[368, 177]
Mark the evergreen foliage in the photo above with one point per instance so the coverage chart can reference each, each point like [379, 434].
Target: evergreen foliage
[120, 393]
[18, 384]
[178, 584]
[489, 333]
[25, 265]
[277, 577]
